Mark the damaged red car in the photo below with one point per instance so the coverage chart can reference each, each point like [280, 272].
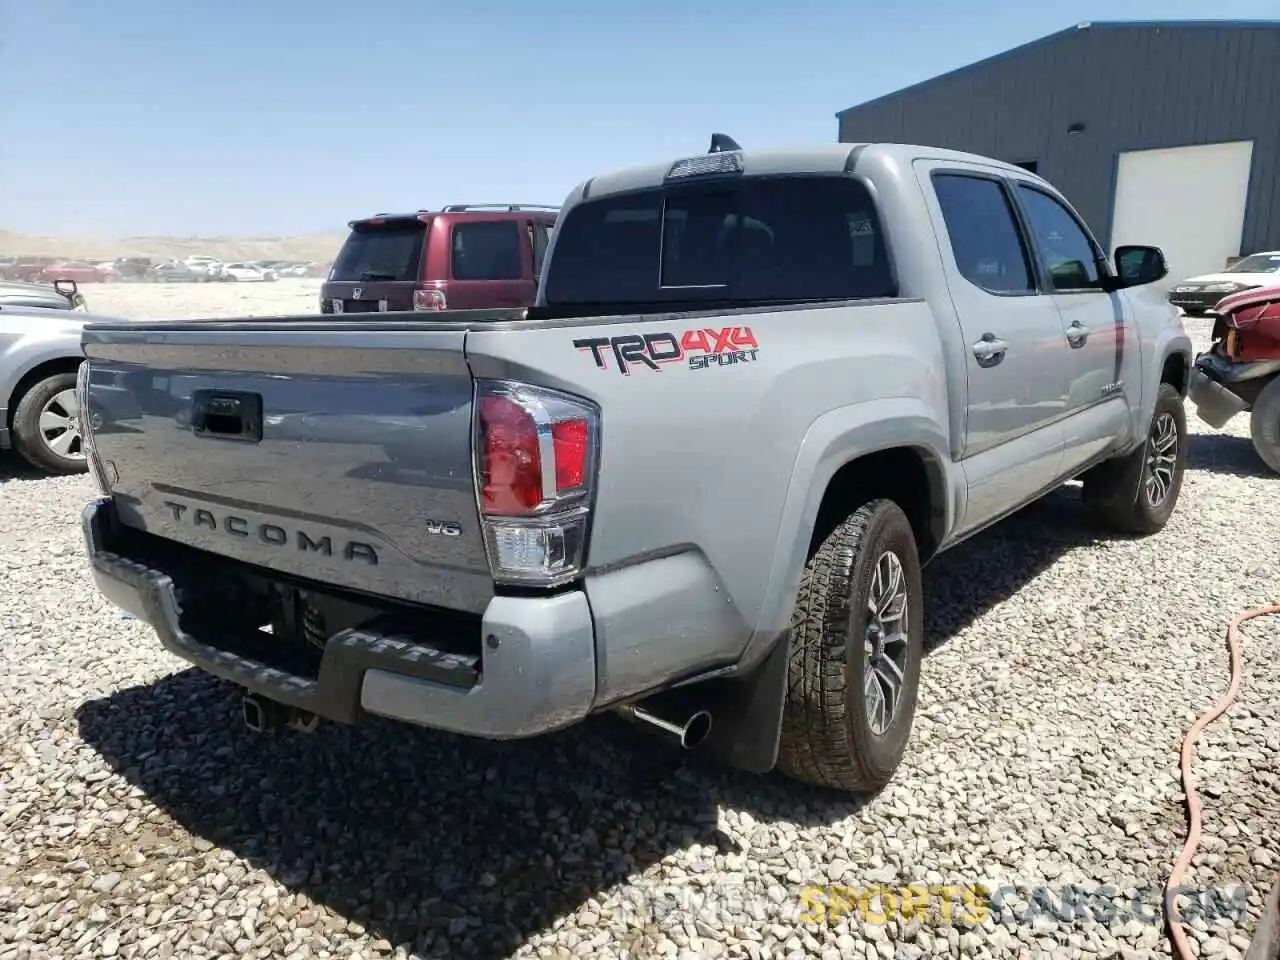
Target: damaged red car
[1241, 371]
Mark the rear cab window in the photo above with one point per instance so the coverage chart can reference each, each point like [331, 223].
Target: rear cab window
[750, 241]
[381, 250]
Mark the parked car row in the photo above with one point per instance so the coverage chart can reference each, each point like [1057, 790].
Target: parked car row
[47, 270]
[209, 270]
[193, 269]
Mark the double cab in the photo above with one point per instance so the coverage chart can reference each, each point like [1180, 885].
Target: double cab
[693, 484]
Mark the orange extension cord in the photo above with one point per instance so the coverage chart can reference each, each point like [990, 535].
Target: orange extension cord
[1176, 932]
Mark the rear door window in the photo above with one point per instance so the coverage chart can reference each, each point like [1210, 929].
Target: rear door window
[386, 251]
[984, 234]
[487, 250]
[756, 240]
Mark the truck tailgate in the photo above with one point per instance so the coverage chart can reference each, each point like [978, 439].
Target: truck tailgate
[340, 455]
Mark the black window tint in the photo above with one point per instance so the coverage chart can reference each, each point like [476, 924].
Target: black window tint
[758, 240]
[487, 250]
[1069, 256]
[388, 251]
[607, 250]
[984, 233]
[695, 231]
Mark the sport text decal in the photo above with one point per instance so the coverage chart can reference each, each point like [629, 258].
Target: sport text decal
[699, 349]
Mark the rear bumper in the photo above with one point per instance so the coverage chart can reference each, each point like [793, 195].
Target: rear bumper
[537, 672]
[1195, 302]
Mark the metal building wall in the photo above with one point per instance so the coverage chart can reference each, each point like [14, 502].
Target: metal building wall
[1133, 86]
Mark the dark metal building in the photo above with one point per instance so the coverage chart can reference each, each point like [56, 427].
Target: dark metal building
[1080, 106]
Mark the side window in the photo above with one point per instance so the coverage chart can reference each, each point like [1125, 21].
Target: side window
[984, 233]
[1068, 253]
[486, 250]
[539, 231]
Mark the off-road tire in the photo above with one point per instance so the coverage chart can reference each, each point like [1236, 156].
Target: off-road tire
[827, 738]
[27, 439]
[1115, 491]
[1264, 424]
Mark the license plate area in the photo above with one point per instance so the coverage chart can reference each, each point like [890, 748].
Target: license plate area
[364, 306]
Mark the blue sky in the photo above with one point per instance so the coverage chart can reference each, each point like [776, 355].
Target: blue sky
[291, 116]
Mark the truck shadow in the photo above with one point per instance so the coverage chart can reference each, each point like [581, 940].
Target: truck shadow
[428, 840]
[422, 838]
[13, 467]
[1223, 453]
[965, 582]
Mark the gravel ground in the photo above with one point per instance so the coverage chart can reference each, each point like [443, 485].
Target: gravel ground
[137, 819]
[160, 301]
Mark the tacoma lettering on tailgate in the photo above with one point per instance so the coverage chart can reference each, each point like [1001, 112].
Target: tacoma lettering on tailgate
[271, 534]
[699, 348]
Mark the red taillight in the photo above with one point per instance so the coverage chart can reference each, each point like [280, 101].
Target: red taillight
[569, 439]
[535, 453]
[511, 460]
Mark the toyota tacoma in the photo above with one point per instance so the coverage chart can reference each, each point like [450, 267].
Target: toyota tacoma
[694, 483]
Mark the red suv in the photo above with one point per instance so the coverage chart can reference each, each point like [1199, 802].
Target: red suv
[461, 257]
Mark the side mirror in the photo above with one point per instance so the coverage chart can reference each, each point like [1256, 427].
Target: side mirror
[1139, 265]
[68, 288]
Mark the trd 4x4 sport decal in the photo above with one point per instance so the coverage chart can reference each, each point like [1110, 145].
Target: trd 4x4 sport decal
[700, 349]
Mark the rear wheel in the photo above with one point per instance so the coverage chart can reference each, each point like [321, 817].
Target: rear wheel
[46, 426]
[1264, 424]
[857, 639]
[1137, 493]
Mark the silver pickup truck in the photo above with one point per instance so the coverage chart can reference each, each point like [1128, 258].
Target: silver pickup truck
[694, 483]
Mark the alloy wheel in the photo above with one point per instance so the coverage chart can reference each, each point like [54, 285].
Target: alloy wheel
[1162, 455]
[885, 644]
[60, 425]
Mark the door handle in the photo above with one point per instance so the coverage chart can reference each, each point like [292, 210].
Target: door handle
[989, 351]
[230, 415]
[1077, 334]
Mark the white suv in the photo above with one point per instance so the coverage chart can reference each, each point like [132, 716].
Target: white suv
[210, 268]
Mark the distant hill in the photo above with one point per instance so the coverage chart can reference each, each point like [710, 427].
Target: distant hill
[321, 248]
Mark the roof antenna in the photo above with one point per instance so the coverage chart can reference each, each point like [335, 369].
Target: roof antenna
[720, 142]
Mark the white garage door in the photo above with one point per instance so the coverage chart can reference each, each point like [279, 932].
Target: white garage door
[1190, 201]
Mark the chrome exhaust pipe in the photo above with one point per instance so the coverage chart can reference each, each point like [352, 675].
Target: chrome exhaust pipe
[262, 715]
[258, 715]
[692, 732]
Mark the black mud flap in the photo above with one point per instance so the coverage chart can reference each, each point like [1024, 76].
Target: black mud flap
[747, 714]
